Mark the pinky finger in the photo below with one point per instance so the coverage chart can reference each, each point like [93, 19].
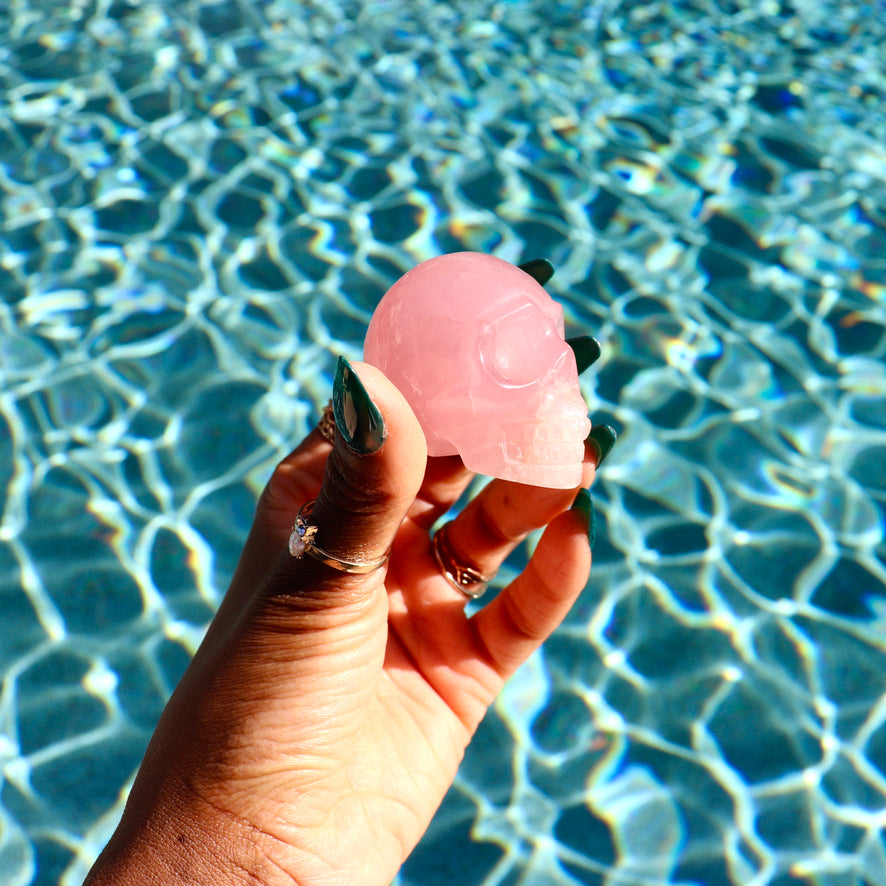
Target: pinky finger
[511, 627]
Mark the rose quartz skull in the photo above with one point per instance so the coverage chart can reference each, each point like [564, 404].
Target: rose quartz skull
[477, 347]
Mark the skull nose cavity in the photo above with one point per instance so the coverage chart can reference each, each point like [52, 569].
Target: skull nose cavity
[563, 402]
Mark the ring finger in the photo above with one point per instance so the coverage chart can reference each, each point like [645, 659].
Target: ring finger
[491, 525]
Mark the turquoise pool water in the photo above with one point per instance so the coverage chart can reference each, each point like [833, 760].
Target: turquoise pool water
[201, 204]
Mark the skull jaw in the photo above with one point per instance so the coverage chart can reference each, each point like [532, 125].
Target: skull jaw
[553, 464]
[494, 463]
[547, 476]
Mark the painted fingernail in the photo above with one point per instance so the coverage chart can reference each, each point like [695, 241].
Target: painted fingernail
[585, 506]
[602, 438]
[357, 418]
[586, 349]
[540, 269]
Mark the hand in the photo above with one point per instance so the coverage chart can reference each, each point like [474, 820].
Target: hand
[324, 716]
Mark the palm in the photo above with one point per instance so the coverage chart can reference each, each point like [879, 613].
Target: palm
[398, 706]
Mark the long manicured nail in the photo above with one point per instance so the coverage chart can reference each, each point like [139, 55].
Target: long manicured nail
[602, 438]
[356, 416]
[540, 269]
[585, 506]
[586, 349]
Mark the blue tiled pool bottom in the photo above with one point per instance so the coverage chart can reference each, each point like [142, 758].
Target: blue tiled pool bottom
[202, 203]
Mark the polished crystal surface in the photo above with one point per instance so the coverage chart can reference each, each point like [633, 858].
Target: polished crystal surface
[477, 347]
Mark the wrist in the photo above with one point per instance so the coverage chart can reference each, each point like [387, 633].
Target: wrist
[184, 850]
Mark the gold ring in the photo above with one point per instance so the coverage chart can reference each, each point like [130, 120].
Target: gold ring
[301, 542]
[326, 425]
[466, 579]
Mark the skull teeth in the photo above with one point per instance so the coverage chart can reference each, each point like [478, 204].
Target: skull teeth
[553, 476]
[544, 452]
[559, 441]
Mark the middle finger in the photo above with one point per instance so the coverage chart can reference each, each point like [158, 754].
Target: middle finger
[502, 515]
[493, 523]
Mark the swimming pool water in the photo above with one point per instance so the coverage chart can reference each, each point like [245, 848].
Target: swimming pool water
[201, 204]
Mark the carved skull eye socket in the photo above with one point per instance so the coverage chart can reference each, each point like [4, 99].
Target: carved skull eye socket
[520, 348]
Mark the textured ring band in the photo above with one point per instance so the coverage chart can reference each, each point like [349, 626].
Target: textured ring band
[326, 425]
[301, 542]
[467, 580]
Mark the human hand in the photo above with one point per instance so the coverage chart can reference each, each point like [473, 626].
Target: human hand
[324, 716]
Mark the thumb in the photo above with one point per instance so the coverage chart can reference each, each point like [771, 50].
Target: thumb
[371, 478]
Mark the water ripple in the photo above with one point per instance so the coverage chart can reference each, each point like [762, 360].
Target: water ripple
[201, 205]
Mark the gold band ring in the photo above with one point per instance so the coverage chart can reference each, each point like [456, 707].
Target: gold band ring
[466, 579]
[326, 425]
[301, 542]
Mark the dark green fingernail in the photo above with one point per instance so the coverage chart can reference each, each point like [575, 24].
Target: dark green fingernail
[540, 269]
[602, 438]
[586, 349]
[585, 507]
[356, 416]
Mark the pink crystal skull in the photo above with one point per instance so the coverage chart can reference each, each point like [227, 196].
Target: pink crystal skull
[476, 346]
